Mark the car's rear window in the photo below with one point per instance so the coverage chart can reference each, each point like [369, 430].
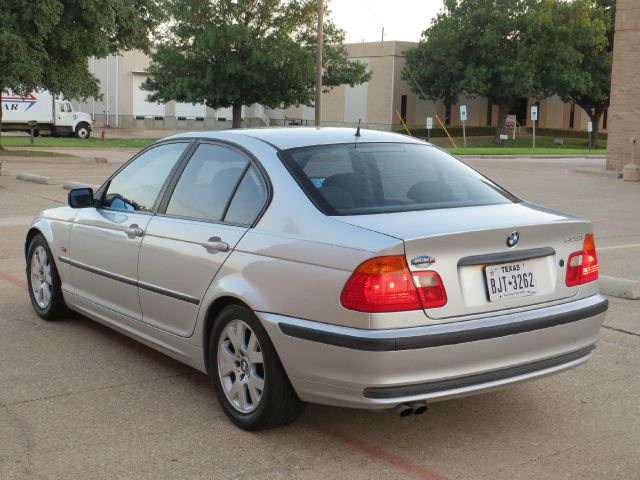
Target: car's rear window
[367, 178]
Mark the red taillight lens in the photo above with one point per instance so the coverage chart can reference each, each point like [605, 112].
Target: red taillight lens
[582, 266]
[384, 284]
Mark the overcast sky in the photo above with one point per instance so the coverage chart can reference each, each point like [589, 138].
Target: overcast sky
[401, 19]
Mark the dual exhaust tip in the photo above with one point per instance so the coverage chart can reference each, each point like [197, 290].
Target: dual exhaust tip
[413, 408]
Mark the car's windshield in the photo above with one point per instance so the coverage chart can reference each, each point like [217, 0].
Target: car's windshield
[358, 179]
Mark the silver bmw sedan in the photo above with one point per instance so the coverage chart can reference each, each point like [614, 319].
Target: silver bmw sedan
[351, 268]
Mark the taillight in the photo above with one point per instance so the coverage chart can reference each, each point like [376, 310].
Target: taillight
[385, 284]
[430, 289]
[582, 266]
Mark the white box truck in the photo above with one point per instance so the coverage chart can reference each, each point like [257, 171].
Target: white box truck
[46, 113]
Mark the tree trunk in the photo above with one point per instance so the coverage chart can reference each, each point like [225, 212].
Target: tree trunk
[595, 119]
[237, 115]
[504, 108]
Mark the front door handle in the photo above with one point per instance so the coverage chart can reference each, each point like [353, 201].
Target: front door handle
[134, 231]
[216, 243]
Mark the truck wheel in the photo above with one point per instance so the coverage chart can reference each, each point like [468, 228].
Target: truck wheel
[83, 132]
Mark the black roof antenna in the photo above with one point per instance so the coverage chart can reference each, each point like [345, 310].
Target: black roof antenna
[358, 130]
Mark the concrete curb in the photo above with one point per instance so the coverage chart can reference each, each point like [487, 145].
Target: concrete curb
[599, 173]
[30, 177]
[61, 160]
[71, 184]
[620, 287]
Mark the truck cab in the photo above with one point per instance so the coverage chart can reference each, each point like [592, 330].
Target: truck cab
[69, 122]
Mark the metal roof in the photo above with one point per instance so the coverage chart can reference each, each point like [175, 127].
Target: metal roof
[292, 137]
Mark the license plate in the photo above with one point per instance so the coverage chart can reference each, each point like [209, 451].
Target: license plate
[510, 280]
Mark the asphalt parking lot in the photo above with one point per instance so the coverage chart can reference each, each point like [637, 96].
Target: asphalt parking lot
[79, 401]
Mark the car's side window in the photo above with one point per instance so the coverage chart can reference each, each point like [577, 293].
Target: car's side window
[248, 199]
[136, 187]
[205, 186]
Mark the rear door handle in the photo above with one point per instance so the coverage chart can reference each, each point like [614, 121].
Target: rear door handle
[134, 231]
[216, 243]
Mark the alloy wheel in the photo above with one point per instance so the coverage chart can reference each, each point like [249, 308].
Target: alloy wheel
[41, 282]
[240, 366]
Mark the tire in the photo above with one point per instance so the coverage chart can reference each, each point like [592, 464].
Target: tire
[277, 404]
[82, 131]
[44, 282]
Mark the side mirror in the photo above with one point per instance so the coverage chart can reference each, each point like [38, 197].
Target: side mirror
[81, 197]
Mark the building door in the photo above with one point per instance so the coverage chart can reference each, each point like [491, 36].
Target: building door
[520, 111]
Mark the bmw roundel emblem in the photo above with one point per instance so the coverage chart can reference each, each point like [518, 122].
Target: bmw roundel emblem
[512, 239]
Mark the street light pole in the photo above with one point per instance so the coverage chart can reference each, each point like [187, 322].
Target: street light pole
[318, 111]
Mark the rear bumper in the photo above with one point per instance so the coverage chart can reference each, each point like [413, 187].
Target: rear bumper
[382, 368]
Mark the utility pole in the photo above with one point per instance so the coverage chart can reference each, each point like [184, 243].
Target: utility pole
[319, 63]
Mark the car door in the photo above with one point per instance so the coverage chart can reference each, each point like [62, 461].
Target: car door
[105, 241]
[215, 199]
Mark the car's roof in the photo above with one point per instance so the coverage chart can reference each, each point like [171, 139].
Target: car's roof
[284, 138]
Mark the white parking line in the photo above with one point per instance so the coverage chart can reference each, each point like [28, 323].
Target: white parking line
[633, 245]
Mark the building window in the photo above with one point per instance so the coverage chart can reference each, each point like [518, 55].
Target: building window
[447, 114]
[403, 108]
[489, 113]
[572, 115]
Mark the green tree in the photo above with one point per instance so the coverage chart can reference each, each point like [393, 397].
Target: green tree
[579, 71]
[46, 44]
[478, 48]
[229, 53]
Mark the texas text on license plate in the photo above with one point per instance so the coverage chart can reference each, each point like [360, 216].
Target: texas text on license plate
[510, 280]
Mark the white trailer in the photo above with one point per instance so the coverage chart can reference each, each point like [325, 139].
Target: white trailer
[45, 113]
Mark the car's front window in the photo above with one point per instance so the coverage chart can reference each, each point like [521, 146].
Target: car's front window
[136, 186]
[357, 179]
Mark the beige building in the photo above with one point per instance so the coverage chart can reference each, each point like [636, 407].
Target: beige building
[124, 103]
[378, 104]
[625, 87]
[386, 97]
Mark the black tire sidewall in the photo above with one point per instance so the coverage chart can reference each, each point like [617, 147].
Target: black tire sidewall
[79, 129]
[275, 378]
[56, 294]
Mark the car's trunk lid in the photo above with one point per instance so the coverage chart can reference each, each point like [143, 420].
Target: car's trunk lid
[468, 248]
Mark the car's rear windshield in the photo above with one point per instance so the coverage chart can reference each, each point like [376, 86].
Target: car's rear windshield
[368, 178]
